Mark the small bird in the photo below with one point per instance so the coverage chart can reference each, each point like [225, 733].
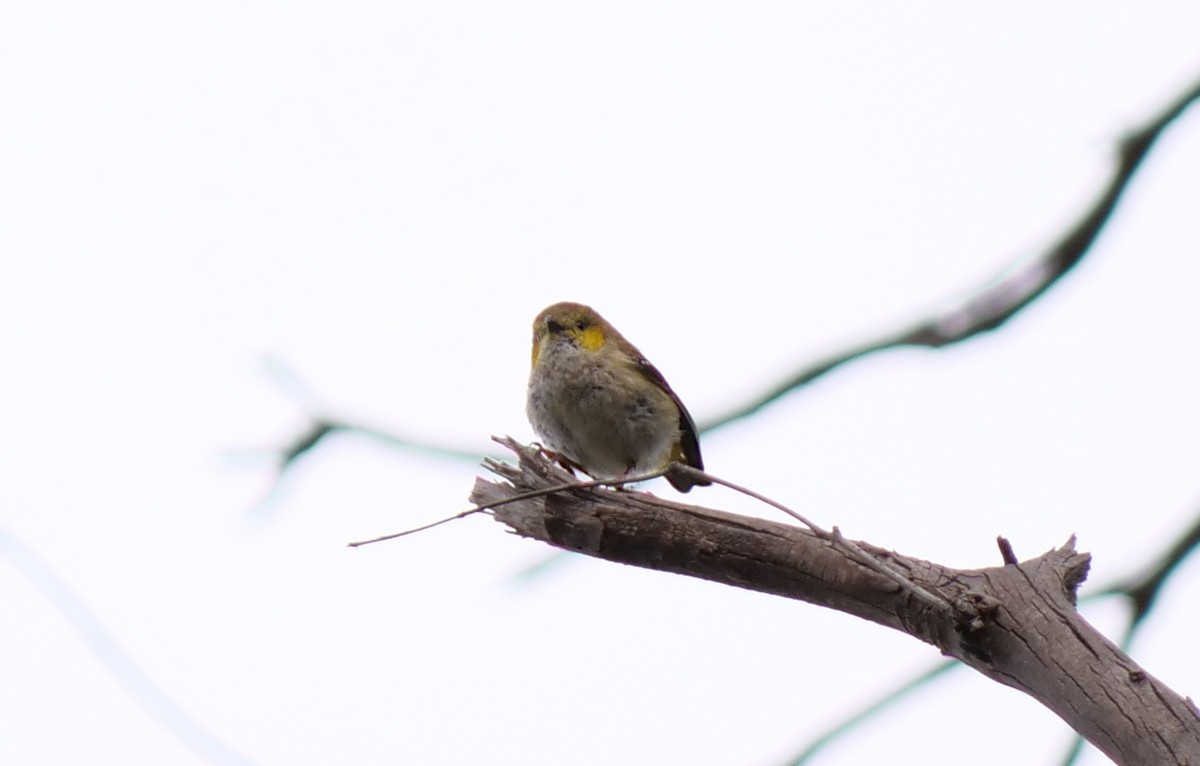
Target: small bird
[595, 400]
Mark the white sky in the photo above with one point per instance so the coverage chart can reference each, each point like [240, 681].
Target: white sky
[383, 195]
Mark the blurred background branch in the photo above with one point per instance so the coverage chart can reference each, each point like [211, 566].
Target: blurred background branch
[136, 683]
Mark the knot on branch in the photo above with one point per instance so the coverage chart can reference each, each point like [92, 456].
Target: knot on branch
[973, 610]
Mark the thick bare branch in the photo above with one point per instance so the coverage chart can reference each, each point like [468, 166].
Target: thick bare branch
[1016, 624]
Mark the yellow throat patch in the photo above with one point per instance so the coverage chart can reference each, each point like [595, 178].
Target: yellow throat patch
[590, 338]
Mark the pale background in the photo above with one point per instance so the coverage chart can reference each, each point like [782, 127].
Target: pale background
[383, 195]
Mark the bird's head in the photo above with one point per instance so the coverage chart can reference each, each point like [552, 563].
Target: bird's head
[571, 323]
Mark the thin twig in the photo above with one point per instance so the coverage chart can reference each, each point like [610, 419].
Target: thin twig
[516, 498]
[835, 537]
[422, 528]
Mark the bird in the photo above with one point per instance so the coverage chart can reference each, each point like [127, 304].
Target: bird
[597, 402]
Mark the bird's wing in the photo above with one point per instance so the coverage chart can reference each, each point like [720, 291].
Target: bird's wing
[689, 442]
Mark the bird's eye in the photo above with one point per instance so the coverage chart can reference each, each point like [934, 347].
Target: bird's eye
[581, 325]
[553, 326]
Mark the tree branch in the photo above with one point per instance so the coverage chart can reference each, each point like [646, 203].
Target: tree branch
[1016, 624]
[1142, 590]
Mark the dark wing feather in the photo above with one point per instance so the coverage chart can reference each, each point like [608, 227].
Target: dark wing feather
[689, 441]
